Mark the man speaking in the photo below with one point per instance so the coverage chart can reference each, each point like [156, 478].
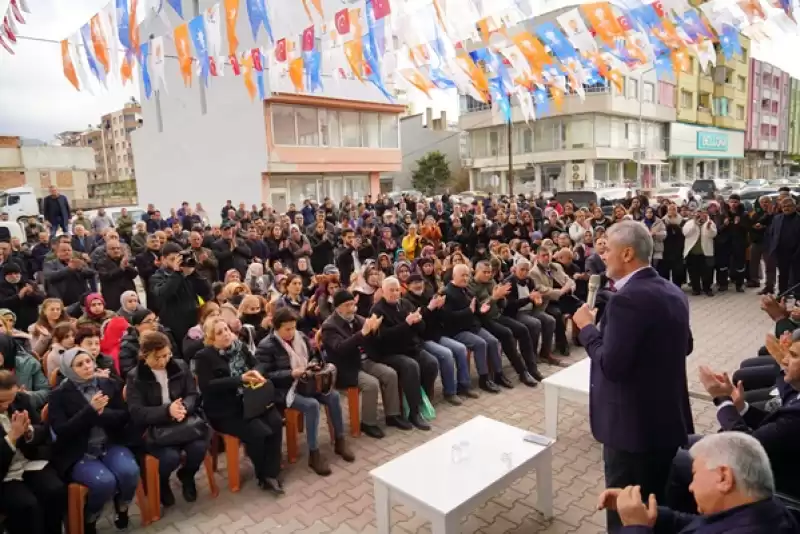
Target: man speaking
[639, 400]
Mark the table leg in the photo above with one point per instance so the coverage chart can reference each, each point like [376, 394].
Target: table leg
[550, 411]
[446, 524]
[382, 507]
[544, 482]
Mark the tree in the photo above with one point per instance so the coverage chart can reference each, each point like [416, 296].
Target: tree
[433, 172]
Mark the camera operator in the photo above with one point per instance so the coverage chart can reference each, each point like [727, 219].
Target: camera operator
[175, 286]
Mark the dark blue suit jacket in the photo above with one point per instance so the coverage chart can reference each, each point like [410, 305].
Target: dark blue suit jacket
[639, 398]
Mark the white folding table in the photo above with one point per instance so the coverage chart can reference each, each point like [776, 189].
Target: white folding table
[451, 475]
[571, 384]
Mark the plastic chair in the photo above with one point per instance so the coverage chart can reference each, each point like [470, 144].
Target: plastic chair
[53, 379]
[232, 446]
[354, 407]
[294, 426]
[153, 483]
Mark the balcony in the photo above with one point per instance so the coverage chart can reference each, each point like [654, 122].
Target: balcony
[706, 85]
[704, 116]
[725, 90]
[729, 122]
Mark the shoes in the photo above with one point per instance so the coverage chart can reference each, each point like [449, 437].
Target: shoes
[121, 519]
[468, 393]
[454, 400]
[767, 291]
[753, 283]
[341, 448]
[273, 485]
[318, 463]
[739, 289]
[167, 497]
[547, 358]
[486, 384]
[527, 379]
[398, 422]
[563, 349]
[418, 421]
[710, 293]
[373, 431]
[90, 528]
[188, 486]
[500, 379]
[537, 375]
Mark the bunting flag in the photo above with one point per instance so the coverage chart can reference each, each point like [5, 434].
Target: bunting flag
[108, 20]
[729, 42]
[123, 24]
[144, 58]
[133, 27]
[86, 38]
[500, 98]
[255, 54]
[182, 48]
[99, 43]
[308, 40]
[603, 21]
[236, 66]
[576, 31]
[355, 56]
[665, 68]
[342, 22]
[80, 69]
[694, 26]
[259, 74]
[248, 76]
[280, 50]
[296, 73]
[525, 100]
[126, 69]
[6, 45]
[69, 65]
[231, 16]
[258, 15]
[541, 101]
[15, 11]
[158, 64]
[197, 29]
[9, 32]
[313, 65]
[177, 6]
[533, 50]
[355, 22]
[475, 74]
[418, 80]
[554, 38]
[214, 40]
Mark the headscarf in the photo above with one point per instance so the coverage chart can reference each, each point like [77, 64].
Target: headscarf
[8, 348]
[112, 331]
[122, 311]
[399, 265]
[87, 305]
[65, 366]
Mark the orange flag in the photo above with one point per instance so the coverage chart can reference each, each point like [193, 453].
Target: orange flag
[69, 66]
[247, 75]
[296, 73]
[533, 50]
[558, 97]
[231, 16]
[615, 77]
[601, 18]
[418, 80]
[355, 56]
[126, 70]
[183, 49]
[318, 7]
[99, 43]
[475, 74]
[133, 27]
[355, 23]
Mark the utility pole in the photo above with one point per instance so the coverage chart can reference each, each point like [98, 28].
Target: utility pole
[641, 147]
[510, 159]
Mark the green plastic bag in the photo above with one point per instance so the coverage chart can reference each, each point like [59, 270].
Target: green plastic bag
[426, 410]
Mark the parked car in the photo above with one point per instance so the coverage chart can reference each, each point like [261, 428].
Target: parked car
[679, 195]
[708, 188]
[605, 198]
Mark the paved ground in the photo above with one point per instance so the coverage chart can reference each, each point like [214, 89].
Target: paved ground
[726, 329]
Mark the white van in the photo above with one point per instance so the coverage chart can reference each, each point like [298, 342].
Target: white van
[19, 203]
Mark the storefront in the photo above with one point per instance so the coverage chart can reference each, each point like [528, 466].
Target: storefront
[704, 152]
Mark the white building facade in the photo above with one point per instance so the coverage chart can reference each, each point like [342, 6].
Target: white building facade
[703, 151]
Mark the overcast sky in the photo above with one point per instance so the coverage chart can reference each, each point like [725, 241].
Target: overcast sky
[36, 100]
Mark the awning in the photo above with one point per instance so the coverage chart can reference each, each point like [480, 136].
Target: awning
[654, 162]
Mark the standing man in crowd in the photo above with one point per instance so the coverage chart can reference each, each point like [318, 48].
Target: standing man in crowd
[55, 208]
[639, 400]
[784, 246]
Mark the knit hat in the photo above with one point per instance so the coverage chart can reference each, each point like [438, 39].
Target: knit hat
[342, 296]
[11, 268]
[416, 277]
[139, 316]
[330, 269]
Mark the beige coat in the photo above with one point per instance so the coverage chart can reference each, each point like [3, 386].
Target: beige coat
[545, 285]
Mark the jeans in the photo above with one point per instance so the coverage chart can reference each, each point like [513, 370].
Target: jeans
[483, 346]
[451, 355]
[169, 458]
[309, 406]
[115, 475]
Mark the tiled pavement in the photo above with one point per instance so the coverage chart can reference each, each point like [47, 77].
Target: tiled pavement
[726, 329]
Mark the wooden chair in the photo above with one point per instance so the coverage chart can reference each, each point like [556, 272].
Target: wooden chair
[232, 446]
[76, 500]
[354, 408]
[294, 426]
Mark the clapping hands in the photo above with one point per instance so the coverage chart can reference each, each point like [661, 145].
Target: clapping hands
[371, 325]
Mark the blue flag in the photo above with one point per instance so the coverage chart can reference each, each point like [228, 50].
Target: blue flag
[86, 34]
[143, 57]
[123, 29]
[541, 101]
[664, 68]
[259, 16]
[177, 5]
[500, 97]
[197, 29]
[729, 41]
[373, 66]
[312, 61]
[554, 38]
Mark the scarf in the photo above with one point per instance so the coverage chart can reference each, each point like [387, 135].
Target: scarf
[87, 305]
[297, 351]
[88, 388]
[237, 365]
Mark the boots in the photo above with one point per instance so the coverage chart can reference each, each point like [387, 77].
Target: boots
[341, 448]
[318, 463]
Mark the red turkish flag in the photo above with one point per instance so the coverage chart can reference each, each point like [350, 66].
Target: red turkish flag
[381, 8]
[624, 23]
[280, 50]
[9, 32]
[212, 66]
[17, 13]
[5, 45]
[237, 68]
[659, 9]
[342, 20]
[256, 54]
[308, 39]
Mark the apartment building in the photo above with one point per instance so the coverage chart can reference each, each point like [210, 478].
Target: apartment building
[708, 137]
[210, 144]
[767, 134]
[793, 145]
[115, 178]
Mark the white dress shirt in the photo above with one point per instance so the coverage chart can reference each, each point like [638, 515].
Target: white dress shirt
[619, 284]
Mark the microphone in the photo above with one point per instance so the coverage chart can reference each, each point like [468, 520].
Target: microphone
[594, 287]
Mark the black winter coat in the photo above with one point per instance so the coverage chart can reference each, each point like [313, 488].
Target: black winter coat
[33, 449]
[26, 309]
[176, 299]
[64, 283]
[344, 346]
[144, 394]
[238, 258]
[395, 336]
[277, 364]
[221, 391]
[458, 315]
[434, 320]
[115, 280]
[72, 418]
[321, 250]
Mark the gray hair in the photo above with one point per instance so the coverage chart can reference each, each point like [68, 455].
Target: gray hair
[390, 281]
[744, 455]
[523, 262]
[483, 264]
[635, 235]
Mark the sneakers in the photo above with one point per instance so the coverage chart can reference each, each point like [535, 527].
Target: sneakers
[318, 463]
[341, 448]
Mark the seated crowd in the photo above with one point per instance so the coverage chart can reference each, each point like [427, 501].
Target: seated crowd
[245, 324]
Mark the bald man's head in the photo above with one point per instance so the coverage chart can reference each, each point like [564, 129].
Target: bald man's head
[461, 275]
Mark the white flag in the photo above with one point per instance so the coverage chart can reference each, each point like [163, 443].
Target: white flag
[108, 21]
[576, 31]
[157, 71]
[213, 35]
[80, 64]
[525, 103]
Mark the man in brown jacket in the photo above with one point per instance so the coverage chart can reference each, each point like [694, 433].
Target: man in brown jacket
[557, 292]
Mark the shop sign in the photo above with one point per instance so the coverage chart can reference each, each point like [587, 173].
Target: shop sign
[712, 141]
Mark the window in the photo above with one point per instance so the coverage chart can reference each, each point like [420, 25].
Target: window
[283, 127]
[648, 92]
[633, 89]
[741, 83]
[687, 99]
[478, 141]
[765, 130]
[688, 66]
[307, 126]
[351, 128]
[720, 107]
[329, 127]
[527, 140]
[494, 141]
[704, 102]
[390, 137]
[739, 113]
[774, 106]
[371, 130]
[773, 131]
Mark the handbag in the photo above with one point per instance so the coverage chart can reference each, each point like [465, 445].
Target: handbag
[319, 382]
[190, 429]
[257, 399]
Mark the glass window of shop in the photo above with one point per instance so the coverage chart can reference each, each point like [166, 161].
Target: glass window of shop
[578, 132]
[329, 127]
[602, 130]
[307, 126]
[283, 128]
[351, 128]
